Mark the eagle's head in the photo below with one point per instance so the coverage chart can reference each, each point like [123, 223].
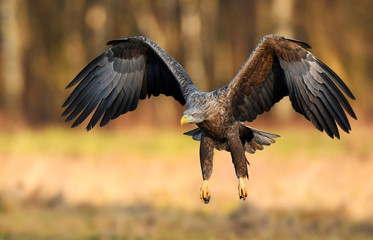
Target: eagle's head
[193, 115]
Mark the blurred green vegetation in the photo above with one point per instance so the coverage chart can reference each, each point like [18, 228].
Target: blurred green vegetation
[56, 140]
[169, 142]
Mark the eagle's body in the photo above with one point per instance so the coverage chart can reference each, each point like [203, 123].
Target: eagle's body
[136, 68]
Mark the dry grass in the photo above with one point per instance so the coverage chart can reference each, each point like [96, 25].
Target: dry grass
[144, 184]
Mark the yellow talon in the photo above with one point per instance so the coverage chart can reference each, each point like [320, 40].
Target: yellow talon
[205, 194]
[242, 189]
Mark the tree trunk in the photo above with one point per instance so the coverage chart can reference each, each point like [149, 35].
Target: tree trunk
[12, 77]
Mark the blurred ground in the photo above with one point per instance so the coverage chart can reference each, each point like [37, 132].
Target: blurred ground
[58, 183]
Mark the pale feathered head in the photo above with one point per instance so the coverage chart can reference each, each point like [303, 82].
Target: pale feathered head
[193, 115]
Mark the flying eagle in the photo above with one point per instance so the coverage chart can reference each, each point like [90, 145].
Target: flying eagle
[136, 68]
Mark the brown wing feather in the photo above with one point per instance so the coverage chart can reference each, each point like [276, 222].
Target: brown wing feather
[279, 67]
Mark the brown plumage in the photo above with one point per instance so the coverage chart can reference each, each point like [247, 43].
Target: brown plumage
[136, 68]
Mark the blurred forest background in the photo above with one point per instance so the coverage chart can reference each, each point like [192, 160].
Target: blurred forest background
[139, 177]
[44, 44]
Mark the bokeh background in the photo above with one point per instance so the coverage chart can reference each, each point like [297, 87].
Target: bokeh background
[139, 177]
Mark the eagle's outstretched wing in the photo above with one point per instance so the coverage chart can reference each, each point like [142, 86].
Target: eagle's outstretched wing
[281, 66]
[132, 69]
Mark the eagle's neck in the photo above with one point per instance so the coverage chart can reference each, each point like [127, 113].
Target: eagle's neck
[207, 103]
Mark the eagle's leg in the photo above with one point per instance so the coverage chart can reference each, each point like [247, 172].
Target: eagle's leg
[240, 163]
[206, 154]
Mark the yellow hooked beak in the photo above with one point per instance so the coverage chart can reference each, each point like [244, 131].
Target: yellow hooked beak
[184, 120]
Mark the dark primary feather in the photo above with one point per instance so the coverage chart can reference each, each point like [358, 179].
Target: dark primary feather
[280, 67]
[112, 84]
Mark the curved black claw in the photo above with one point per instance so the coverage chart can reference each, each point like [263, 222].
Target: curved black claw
[206, 200]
